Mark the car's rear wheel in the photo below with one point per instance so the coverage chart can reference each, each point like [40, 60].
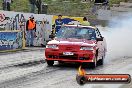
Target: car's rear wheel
[50, 63]
[101, 61]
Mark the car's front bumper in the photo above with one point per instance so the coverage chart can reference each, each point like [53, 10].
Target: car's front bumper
[67, 60]
[79, 56]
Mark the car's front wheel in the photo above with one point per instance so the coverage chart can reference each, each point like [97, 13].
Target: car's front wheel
[60, 62]
[50, 63]
[94, 64]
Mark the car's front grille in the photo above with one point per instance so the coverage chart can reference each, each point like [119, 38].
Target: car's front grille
[69, 57]
[53, 56]
[69, 48]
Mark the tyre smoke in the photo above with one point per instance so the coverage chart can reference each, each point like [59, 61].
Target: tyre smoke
[118, 36]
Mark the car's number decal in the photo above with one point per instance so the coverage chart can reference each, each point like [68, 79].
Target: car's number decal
[68, 53]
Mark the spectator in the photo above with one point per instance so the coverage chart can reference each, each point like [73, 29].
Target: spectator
[31, 29]
[102, 1]
[38, 4]
[32, 2]
[58, 23]
[85, 22]
[105, 2]
[6, 4]
[98, 1]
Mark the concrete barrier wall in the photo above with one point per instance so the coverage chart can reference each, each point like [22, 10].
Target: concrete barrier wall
[17, 21]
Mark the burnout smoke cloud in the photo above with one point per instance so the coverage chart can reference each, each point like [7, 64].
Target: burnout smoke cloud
[119, 37]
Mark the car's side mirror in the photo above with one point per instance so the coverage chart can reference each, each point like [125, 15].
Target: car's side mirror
[51, 36]
[99, 39]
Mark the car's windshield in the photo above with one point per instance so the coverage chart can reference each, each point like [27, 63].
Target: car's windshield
[76, 32]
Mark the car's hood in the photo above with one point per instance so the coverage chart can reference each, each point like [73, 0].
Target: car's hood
[73, 41]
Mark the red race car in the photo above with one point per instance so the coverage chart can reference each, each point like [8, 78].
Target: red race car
[76, 43]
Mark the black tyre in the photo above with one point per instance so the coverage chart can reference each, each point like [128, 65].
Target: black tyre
[94, 64]
[60, 62]
[101, 61]
[50, 63]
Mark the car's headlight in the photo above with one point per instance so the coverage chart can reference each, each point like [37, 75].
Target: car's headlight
[86, 48]
[52, 46]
